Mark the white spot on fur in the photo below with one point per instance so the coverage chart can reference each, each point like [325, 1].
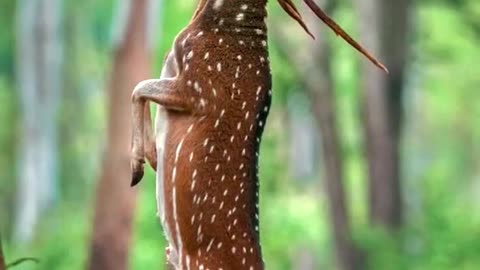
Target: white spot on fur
[240, 16]
[218, 4]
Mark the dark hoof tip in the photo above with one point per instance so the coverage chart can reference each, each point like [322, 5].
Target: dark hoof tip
[136, 178]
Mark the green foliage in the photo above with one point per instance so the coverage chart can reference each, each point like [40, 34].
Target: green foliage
[7, 146]
[6, 36]
[443, 237]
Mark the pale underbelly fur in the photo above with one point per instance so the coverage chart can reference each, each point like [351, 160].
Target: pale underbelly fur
[169, 71]
[160, 134]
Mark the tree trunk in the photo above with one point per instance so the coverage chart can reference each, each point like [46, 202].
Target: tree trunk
[304, 259]
[320, 89]
[318, 81]
[383, 28]
[324, 109]
[39, 55]
[115, 202]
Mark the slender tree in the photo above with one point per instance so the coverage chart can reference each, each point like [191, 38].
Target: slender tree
[316, 77]
[384, 30]
[39, 54]
[115, 202]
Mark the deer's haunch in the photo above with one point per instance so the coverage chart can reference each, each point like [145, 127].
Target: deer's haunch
[214, 96]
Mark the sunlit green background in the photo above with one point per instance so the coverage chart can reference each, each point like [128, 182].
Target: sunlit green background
[440, 146]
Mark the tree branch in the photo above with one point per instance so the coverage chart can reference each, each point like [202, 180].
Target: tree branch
[22, 260]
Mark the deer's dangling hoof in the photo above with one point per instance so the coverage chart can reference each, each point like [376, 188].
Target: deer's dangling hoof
[137, 171]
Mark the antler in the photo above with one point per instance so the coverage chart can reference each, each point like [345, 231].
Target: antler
[290, 8]
[292, 11]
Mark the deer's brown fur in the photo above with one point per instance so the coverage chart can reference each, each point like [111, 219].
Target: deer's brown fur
[214, 95]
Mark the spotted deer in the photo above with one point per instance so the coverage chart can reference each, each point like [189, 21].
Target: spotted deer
[213, 97]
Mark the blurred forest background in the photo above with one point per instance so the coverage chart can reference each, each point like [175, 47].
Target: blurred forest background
[359, 170]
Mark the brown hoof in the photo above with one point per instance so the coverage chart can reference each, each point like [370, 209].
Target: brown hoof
[136, 178]
[137, 172]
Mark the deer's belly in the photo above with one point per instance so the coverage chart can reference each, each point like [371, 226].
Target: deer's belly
[160, 132]
[206, 189]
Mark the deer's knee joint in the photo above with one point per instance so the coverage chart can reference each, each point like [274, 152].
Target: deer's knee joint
[141, 89]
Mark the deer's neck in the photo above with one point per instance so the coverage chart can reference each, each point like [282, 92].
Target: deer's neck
[232, 15]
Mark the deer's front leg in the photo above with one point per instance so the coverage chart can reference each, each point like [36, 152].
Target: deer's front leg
[150, 145]
[163, 92]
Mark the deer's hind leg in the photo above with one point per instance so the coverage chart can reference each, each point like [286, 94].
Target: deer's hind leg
[149, 137]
